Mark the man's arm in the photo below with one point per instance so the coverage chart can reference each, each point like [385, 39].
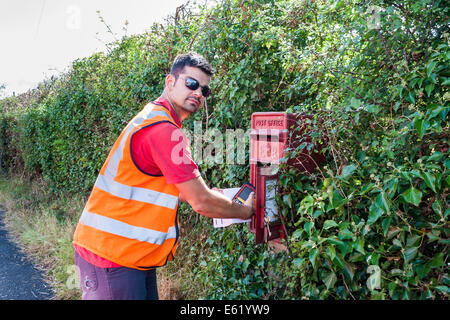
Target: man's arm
[211, 203]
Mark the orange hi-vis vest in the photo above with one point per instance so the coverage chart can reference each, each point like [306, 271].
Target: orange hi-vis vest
[131, 217]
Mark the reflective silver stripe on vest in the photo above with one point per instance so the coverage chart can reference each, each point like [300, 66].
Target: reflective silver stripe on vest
[135, 193]
[106, 182]
[126, 230]
[113, 163]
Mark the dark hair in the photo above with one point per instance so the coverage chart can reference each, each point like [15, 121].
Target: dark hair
[191, 59]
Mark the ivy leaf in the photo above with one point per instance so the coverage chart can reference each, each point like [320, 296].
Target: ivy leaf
[345, 234]
[383, 202]
[410, 98]
[368, 187]
[410, 254]
[435, 110]
[372, 108]
[447, 163]
[422, 270]
[337, 200]
[385, 225]
[347, 171]
[345, 266]
[437, 261]
[413, 196]
[331, 252]
[436, 156]
[443, 289]
[298, 262]
[392, 186]
[432, 236]
[405, 175]
[330, 280]
[413, 240]
[430, 180]
[358, 245]
[429, 88]
[313, 256]
[355, 103]
[400, 89]
[308, 227]
[430, 67]
[421, 126]
[288, 200]
[329, 224]
[297, 234]
[337, 242]
[437, 206]
[375, 212]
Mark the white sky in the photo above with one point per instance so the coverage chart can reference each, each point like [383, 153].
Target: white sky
[40, 38]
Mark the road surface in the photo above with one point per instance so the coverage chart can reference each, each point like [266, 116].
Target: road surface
[19, 279]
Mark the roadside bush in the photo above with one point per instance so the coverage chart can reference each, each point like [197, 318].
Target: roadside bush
[371, 223]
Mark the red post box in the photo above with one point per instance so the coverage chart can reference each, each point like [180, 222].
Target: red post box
[271, 134]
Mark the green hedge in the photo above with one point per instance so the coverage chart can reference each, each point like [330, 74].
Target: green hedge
[371, 223]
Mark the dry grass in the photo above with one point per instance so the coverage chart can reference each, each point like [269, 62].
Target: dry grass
[169, 287]
[175, 279]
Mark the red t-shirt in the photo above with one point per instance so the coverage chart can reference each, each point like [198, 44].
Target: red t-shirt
[160, 149]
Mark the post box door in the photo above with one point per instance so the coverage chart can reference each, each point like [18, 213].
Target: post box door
[267, 223]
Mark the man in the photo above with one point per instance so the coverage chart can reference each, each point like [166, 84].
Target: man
[129, 225]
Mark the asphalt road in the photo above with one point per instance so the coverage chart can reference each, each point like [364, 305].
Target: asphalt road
[19, 279]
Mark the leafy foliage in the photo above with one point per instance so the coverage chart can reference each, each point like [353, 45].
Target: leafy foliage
[369, 224]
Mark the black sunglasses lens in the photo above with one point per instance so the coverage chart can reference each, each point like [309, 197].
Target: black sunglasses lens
[206, 91]
[192, 84]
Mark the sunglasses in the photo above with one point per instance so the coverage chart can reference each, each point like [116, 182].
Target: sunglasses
[193, 85]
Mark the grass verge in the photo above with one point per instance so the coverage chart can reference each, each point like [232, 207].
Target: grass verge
[43, 227]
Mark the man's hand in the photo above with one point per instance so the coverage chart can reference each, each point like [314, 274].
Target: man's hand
[218, 190]
[251, 202]
[212, 203]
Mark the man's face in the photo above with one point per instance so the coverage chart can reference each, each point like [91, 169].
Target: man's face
[185, 100]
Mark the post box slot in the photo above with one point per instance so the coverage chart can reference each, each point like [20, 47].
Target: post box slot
[260, 164]
[268, 133]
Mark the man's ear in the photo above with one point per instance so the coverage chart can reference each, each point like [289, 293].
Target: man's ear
[170, 81]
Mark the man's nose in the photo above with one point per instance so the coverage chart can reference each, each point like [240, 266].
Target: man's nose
[198, 93]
